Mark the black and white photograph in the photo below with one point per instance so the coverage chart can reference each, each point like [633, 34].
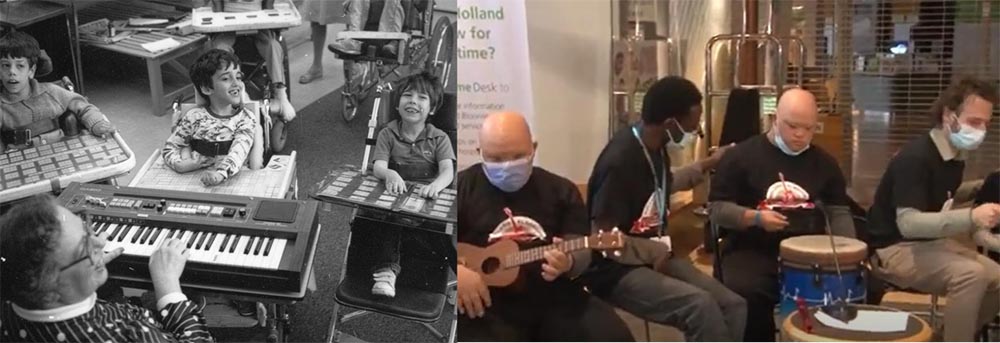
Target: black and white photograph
[228, 170]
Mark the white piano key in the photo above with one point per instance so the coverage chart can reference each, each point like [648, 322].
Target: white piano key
[185, 235]
[190, 243]
[120, 237]
[155, 244]
[212, 253]
[256, 259]
[142, 248]
[229, 256]
[247, 252]
[111, 244]
[131, 248]
[193, 249]
[277, 250]
[248, 258]
[202, 249]
[111, 228]
[236, 257]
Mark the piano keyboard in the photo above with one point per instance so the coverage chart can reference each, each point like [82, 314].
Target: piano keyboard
[225, 249]
[236, 243]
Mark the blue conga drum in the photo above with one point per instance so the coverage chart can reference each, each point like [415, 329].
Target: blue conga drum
[808, 271]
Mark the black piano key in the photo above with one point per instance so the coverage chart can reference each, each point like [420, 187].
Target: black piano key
[260, 242]
[145, 235]
[156, 234]
[201, 240]
[125, 232]
[194, 236]
[138, 234]
[249, 245]
[225, 242]
[116, 231]
[236, 241]
[100, 227]
[267, 250]
[208, 245]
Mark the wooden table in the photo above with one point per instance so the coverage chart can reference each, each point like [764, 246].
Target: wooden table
[131, 46]
[24, 13]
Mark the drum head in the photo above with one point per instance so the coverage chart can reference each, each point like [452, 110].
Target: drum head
[815, 249]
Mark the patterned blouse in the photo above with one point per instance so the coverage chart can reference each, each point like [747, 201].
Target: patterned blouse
[199, 123]
[94, 320]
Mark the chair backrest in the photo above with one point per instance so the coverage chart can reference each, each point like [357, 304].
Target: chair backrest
[742, 118]
[990, 192]
[67, 121]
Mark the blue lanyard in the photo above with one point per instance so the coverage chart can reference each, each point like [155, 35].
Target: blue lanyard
[661, 192]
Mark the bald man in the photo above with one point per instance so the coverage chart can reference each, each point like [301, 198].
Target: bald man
[545, 303]
[753, 235]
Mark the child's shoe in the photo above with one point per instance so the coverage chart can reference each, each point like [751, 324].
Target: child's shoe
[385, 283]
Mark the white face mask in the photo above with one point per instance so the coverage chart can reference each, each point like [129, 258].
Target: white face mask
[686, 140]
[967, 137]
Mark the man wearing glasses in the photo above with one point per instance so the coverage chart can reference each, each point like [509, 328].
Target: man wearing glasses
[782, 155]
[52, 264]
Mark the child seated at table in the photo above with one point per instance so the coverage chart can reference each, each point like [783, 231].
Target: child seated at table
[267, 45]
[409, 149]
[30, 110]
[218, 135]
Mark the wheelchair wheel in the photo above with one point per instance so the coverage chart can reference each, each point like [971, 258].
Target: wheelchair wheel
[442, 50]
[349, 106]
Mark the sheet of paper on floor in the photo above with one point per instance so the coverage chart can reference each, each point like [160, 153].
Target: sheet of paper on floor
[869, 321]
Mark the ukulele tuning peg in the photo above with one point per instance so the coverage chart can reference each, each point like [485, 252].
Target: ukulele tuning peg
[618, 253]
[615, 229]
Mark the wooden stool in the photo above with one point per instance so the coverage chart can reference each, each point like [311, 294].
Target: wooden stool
[792, 330]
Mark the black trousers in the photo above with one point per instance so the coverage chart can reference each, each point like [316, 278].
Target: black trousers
[753, 274]
[590, 319]
[386, 244]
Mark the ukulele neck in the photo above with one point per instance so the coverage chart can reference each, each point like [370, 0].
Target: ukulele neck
[538, 253]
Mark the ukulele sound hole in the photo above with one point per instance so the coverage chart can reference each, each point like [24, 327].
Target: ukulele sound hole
[491, 265]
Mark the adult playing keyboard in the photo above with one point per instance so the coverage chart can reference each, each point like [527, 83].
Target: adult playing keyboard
[246, 243]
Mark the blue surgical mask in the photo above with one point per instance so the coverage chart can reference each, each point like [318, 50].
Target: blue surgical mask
[685, 142]
[784, 147]
[967, 137]
[508, 176]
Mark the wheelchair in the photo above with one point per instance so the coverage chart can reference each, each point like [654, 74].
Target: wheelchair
[420, 47]
[427, 286]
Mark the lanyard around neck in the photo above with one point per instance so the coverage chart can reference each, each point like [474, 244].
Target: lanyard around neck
[661, 192]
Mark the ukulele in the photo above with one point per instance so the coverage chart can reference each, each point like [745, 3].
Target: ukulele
[500, 262]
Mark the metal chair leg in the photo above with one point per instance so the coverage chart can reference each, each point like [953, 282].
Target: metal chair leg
[332, 335]
[934, 311]
[648, 337]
